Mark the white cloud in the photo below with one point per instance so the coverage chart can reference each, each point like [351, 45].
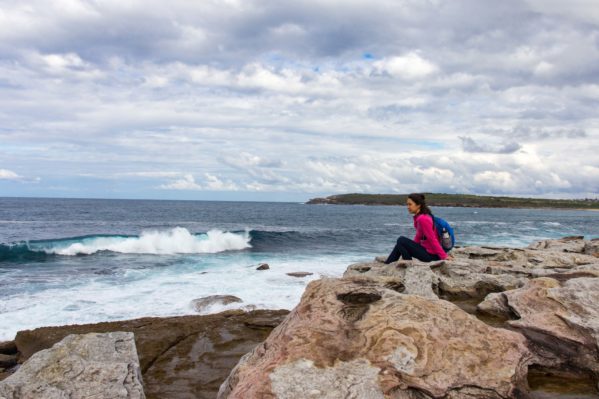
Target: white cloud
[187, 182]
[496, 181]
[6, 174]
[212, 183]
[63, 61]
[409, 66]
[258, 76]
[215, 184]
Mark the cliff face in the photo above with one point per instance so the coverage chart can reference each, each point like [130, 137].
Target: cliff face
[392, 331]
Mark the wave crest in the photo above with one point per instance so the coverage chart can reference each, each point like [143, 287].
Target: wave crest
[177, 240]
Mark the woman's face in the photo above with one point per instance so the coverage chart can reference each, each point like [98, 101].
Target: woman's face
[413, 208]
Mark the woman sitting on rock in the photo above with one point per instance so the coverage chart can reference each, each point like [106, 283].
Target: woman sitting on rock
[425, 246]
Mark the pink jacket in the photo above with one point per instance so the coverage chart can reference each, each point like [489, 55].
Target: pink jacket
[426, 236]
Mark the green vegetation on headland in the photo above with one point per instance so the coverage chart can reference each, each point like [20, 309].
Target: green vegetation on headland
[458, 200]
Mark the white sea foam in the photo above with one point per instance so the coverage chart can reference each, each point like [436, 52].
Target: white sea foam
[174, 241]
[169, 291]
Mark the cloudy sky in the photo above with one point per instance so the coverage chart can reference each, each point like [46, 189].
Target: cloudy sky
[288, 100]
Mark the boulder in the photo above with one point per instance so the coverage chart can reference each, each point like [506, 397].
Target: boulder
[592, 247]
[420, 280]
[354, 338]
[495, 304]
[299, 274]
[410, 277]
[202, 304]
[80, 366]
[263, 266]
[376, 269]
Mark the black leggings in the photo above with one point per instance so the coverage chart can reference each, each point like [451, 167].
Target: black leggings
[409, 249]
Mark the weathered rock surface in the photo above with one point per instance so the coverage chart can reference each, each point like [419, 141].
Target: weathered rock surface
[8, 347]
[180, 357]
[549, 254]
[477, 271]
[560, 318]
[575, 244]
[459, 283]
[7, 360]
[408, 277]
[80, 366]
[202, 304]
[354, 338]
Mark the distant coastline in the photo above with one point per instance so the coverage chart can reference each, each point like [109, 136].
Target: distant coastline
[459, 200]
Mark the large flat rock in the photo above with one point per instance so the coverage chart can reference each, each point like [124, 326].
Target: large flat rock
[99, 366]
[354, 338]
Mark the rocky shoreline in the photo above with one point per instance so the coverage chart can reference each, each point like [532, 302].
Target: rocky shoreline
[491, 323]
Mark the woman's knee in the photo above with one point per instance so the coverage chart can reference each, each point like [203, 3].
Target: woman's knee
[403, 240]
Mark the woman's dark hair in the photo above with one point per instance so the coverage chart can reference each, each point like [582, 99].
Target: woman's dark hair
[419, 200]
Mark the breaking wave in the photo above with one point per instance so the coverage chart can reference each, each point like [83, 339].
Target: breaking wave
[177, 240]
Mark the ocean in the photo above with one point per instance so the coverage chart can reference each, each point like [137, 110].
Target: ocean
[74, 261]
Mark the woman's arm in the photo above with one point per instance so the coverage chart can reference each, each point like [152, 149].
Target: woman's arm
[418, 237]
[426, 228]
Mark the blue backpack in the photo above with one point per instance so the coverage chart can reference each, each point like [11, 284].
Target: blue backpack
[444, 232]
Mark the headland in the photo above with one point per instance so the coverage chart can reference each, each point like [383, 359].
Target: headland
[458, 200]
